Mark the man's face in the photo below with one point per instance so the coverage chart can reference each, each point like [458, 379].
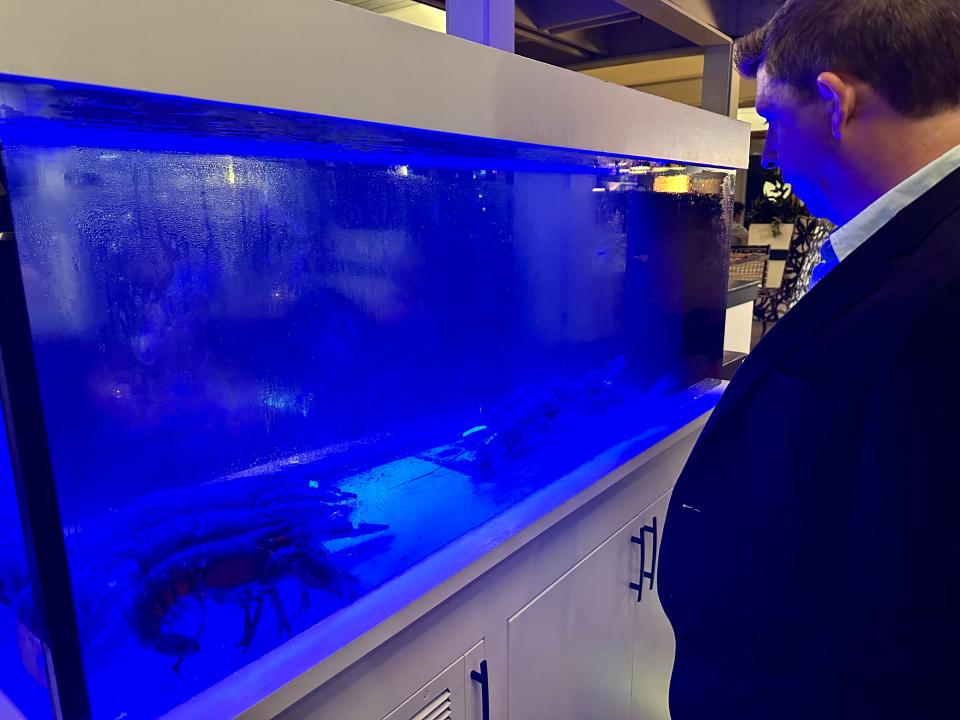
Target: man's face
[799, 141]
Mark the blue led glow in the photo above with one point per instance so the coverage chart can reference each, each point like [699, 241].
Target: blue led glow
[261, 336]
[103, 117]
[50, 134]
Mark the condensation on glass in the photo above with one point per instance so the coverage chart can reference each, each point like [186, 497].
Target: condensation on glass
[283, 357]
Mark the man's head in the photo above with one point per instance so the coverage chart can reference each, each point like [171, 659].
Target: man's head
[858, 94]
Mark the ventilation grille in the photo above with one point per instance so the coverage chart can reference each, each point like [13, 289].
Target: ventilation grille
[440, 708]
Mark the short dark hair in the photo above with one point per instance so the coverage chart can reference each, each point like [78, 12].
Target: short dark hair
[738, 207]
[906, 50]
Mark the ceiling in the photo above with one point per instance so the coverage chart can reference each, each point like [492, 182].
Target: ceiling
[606, 39]
[559, 32]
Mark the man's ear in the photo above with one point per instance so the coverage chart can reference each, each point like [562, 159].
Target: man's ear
[842, 99]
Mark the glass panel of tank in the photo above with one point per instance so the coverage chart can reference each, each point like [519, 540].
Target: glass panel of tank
[284, 357]
[23, 679]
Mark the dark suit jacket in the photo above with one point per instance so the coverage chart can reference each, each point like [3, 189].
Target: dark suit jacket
[811, 556]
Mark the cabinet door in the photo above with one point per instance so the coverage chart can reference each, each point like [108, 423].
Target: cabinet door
[654, 644]
[571, 648]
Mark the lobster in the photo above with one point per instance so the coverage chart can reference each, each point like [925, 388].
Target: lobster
[242, 568]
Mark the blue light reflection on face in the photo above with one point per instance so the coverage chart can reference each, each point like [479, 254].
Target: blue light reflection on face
[798, 144]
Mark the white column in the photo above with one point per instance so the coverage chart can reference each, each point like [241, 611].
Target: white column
[488, 22]
[721, 81]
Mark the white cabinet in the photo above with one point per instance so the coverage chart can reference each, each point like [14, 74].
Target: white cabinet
[592, 646]
[654, 645]
[457, 693]
[563, 634]
[570, 650]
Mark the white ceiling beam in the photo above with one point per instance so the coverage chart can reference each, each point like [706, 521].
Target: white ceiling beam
[683, 21]
[696, 21]
[712, 12]
[563, 15]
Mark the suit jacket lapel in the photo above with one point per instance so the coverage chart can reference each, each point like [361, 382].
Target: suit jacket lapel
[849, 284]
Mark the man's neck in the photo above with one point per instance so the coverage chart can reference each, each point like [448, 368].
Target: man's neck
[896, 150]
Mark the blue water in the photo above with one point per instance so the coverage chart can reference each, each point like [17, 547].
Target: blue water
[283, 358]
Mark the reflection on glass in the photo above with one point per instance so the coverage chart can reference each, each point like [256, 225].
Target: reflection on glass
[284, 358]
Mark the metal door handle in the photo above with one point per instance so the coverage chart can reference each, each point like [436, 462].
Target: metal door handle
[484, 679]
[644, 575]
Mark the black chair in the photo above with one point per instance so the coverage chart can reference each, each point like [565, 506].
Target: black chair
[802, 257]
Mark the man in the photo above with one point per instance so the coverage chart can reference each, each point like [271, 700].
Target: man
[738, 233]
[811, 562]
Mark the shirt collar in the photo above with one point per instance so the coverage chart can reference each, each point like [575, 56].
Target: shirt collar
[852, 235]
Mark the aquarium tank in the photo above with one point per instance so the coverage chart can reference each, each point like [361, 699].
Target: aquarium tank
[23, 677]
[282, 358]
